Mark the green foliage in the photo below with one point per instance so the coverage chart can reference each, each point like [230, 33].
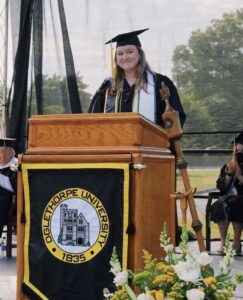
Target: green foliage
[208, 73]
[55, 95]
[198, 119]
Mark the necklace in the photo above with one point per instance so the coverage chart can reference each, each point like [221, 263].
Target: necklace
[120, 98]
[130, 81]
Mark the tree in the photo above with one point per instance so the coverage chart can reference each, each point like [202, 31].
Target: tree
[55, 95]
[210, 70]
[198, 119]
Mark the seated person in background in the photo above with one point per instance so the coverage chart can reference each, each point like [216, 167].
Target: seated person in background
[7, 180]
[135, 88]
[230, 208]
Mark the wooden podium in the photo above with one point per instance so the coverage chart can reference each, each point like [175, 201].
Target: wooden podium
[120, 137]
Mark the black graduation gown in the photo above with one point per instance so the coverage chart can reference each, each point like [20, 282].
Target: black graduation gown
[97, 103]
[235, 206]
[6, 196]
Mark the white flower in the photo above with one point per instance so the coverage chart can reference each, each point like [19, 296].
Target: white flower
[225, 264]
[195, 294]
[115, 267]
[204, 259]
[168, 248]
[121, 278]
[188, 270]
[144, 297]
[107, 293]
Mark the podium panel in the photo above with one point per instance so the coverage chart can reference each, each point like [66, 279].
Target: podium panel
[144, 150]
[93, 133]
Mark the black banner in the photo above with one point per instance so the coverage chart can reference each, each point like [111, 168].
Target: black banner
[75, 215]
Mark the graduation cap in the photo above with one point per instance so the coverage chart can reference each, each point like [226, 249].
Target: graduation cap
[7, 142]
[238, 139]
[129, 38]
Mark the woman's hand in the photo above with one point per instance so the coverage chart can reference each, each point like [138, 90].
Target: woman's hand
[231, 168]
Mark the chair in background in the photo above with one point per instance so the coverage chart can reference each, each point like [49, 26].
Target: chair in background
[211, 197]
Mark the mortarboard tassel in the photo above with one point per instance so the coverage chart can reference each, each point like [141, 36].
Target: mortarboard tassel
[112, 63]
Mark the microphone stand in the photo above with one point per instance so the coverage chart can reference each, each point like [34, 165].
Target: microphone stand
[174, 131]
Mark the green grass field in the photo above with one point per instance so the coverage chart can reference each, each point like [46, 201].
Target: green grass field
[203, 180]
[214, 227]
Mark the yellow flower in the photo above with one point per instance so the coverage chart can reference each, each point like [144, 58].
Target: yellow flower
[175, 295]
[201, 288]
[170, 273]
[230, 290]
[148, 260]
[176, 285]
[222, 296]
[213, 286]
[158, 295]
[161, 278]
[163, 267]
[210, 280]
[120, 294]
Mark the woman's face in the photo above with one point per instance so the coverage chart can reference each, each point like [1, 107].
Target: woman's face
[5, 155]
[239, 148]
[127, 57]
[239, 155]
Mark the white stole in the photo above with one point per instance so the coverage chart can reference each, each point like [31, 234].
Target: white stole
[146, 106]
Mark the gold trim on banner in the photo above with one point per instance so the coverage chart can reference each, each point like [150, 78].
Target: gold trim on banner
[33, 166]
[27, 233]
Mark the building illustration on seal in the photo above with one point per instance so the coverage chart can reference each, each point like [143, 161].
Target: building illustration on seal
[74, 228]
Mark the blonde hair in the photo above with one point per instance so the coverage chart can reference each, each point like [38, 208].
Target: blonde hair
[141, 73]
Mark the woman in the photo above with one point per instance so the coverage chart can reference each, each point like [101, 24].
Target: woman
[135, 87]
[230, 183]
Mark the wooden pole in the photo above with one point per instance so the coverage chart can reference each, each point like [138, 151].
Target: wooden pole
[174, 131]
[183, 205]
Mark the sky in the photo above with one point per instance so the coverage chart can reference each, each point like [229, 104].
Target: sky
[92, 22]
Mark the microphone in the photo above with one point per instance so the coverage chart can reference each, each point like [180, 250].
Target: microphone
[104, 86]
[99, 93]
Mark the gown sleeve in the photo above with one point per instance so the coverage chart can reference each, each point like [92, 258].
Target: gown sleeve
[220, 183]
[97, 103]
[175, 102]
